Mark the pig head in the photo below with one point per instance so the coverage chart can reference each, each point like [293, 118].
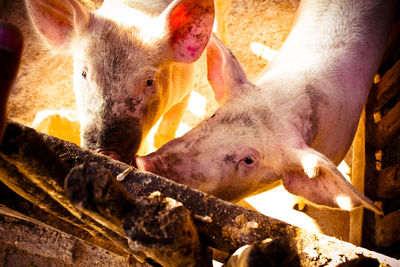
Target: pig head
[133, 64]
[260, 137]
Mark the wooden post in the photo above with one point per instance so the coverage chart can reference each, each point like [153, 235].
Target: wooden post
[357, 179]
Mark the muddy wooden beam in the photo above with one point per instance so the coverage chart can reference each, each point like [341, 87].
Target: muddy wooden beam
[31, 169]
[160, 229]
[221, 224]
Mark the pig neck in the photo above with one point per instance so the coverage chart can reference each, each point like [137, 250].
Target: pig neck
[321, 76]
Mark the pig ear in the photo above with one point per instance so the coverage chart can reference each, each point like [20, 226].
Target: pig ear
[57, 20]
[312, 176]
[224, 72]
[189, 24]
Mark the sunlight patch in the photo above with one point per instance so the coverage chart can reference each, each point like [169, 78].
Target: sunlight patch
[197, 104]
[263, 51]
[345, 170]
[310, 165]
[343, 202]
[278, 203]
[182, 129]
[150, 27]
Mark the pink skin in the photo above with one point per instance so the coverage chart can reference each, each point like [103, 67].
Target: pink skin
[297, 122]
[10, 54]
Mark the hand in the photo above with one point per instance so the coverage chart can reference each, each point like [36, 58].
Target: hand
[10, 55]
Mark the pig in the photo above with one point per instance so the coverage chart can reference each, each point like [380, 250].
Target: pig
[11, 43]
[134, 63]
[296, 123]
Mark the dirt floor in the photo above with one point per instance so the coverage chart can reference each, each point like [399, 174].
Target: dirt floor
[254, 28]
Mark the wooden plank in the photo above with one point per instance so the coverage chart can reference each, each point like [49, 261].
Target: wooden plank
[388, 86]
[391, 153]
[388, 182]
[389, 127]
[371, 172]
[388, 230]
[357, 179]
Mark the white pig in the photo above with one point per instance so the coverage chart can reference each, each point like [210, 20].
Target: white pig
[133, 63]
[297, 121]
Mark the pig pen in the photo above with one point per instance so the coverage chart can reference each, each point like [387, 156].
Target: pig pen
[45, 82]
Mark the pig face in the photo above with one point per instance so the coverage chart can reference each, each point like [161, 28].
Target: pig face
[130, 67]
[119, 85]
[250, 145]
[224, 155]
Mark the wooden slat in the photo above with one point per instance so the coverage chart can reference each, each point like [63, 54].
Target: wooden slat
[389, 127]
[357, 179]
[388, 86]
[387, 229]
[388, 182]
[371, 172]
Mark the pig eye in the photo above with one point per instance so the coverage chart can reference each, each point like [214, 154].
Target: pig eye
[149, 82]
[249, 160]
[84, 74]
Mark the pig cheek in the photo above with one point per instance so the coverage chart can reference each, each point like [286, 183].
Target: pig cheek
[233, 183]
[246, 175]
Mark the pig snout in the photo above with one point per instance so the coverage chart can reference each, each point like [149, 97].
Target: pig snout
[148, 163]
[118, 139]
[162, 166]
